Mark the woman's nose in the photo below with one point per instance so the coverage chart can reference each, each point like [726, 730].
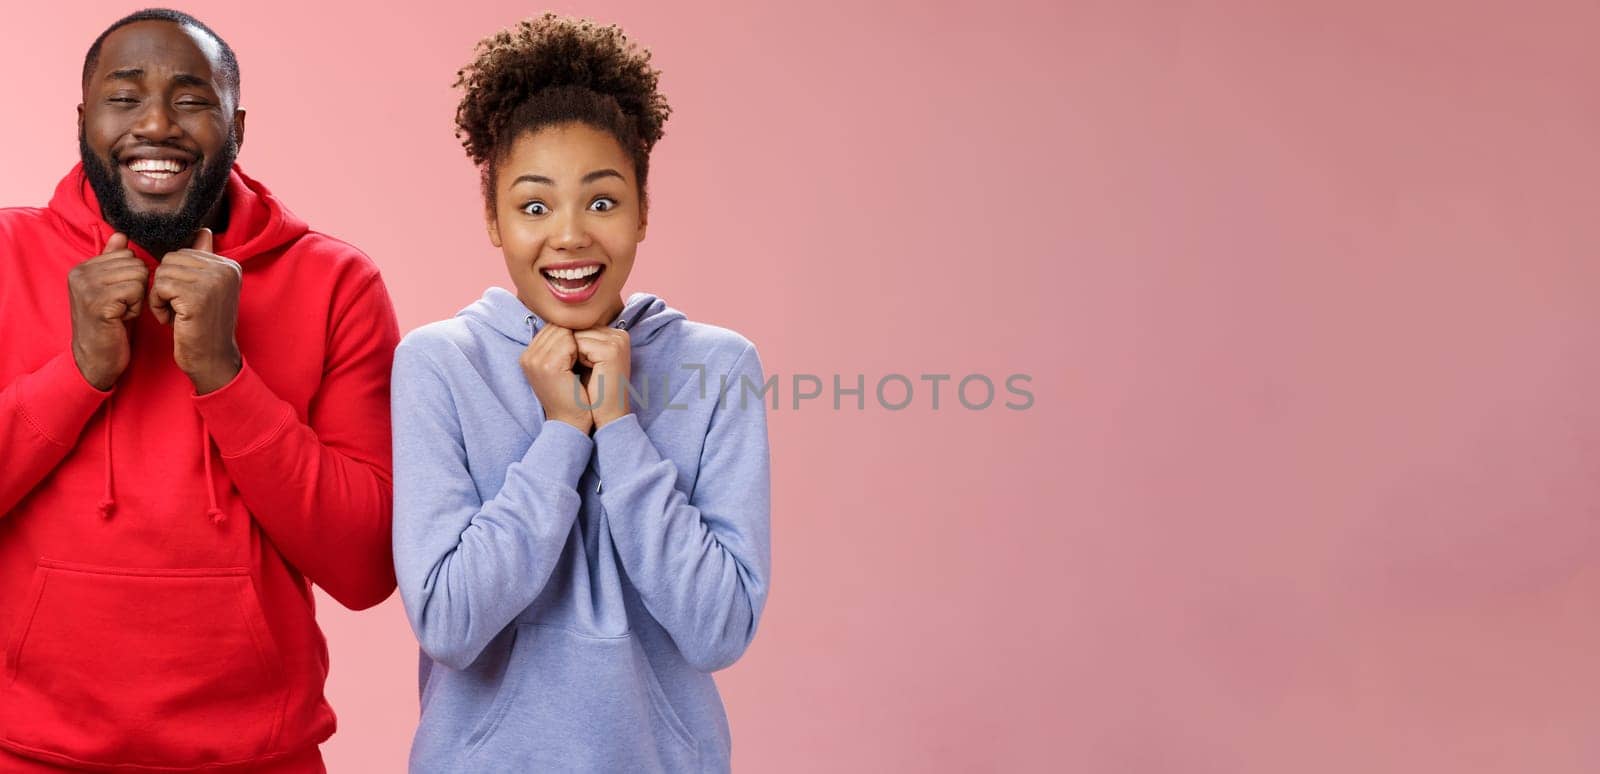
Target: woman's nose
[569, 233]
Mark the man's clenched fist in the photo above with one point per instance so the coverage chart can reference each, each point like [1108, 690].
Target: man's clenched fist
[197, 293]
[105, 292]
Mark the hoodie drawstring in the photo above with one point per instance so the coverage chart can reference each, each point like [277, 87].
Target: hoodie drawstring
[216, 514]
[108, 504]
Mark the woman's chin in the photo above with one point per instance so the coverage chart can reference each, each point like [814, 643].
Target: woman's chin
[589, 314]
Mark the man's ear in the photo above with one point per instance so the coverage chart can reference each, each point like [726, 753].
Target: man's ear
[491, 224]
[80, 119]
[238, 127]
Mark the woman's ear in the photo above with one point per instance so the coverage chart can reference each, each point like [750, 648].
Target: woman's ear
[491, 224]
[644, 221]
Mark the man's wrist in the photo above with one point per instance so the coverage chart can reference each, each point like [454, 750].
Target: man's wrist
[214, 376]
[99, 381]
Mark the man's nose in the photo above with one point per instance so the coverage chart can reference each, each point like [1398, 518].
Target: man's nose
[155, 123]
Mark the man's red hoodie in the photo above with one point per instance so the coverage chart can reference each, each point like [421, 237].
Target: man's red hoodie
[157, 547]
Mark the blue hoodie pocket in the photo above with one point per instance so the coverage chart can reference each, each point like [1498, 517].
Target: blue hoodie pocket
[572, 702]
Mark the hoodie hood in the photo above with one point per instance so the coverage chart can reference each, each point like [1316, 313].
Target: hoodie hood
[257, 222]
[643, 316]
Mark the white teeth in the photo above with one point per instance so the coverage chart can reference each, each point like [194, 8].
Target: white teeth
[573, 274]
[155, 165]
[562, 290]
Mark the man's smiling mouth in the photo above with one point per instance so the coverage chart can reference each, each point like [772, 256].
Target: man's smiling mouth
[157, 169]
[154, 172]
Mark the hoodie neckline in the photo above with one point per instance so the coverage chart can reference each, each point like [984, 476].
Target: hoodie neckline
[643, 315]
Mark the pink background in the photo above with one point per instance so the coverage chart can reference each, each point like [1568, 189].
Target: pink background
[1307, 296]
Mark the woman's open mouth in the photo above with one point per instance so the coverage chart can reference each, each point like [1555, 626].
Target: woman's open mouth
[573, 284]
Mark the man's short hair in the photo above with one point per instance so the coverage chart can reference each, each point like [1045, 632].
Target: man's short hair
[230, 63]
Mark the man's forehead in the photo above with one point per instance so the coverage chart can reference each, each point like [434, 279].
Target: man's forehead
[159, 45]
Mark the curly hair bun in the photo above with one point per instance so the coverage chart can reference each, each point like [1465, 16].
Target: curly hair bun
[554, 69]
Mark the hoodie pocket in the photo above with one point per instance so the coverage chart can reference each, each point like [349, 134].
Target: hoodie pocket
[124, 666]
[575, 702]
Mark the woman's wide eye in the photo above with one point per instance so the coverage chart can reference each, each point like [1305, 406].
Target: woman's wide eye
[535, 208]
[602, 204]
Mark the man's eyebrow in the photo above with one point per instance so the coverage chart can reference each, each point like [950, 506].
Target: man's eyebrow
[136, 73]
[185, 79]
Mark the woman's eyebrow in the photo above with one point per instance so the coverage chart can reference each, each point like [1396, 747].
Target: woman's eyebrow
[589, 178]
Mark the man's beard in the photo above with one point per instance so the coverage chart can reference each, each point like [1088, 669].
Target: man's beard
[159, 233]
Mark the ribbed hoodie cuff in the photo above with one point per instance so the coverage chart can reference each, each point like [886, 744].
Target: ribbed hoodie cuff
[560, 452]
[623, 448]
[244, 414]
[57, 401]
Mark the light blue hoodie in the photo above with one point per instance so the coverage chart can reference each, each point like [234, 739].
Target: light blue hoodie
[570, 623]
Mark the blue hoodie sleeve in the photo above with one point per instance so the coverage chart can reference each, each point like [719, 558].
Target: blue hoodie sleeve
[467, 567]
[699, 560]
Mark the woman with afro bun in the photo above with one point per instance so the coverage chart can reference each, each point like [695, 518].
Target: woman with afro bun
[581, 478]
